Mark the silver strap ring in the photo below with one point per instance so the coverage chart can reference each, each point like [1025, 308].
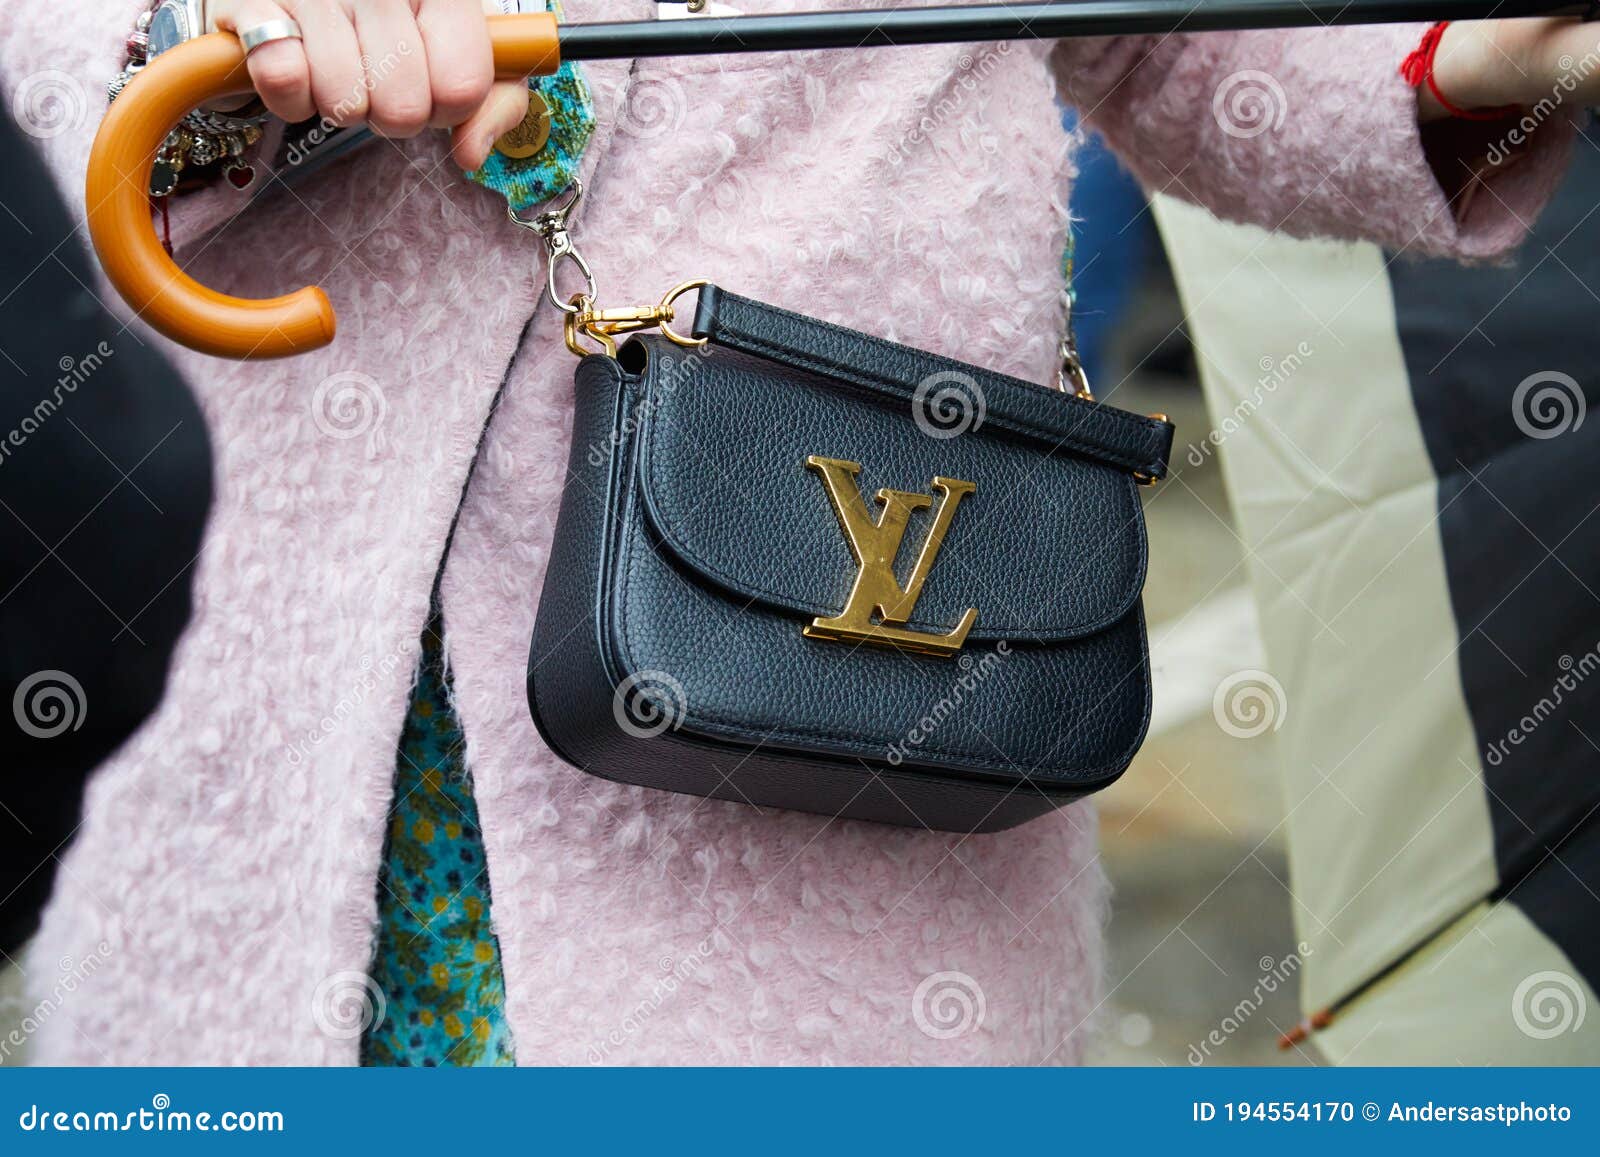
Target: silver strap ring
[268, 31]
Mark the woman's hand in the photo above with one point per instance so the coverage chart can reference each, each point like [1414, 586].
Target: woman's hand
[398, 66]
[1487, 63]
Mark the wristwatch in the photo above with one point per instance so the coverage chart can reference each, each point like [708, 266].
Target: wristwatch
[204, 137]
[173, 22]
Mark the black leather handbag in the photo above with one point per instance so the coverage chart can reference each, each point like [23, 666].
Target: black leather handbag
[801, 567]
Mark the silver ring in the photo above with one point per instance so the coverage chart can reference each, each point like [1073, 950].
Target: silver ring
[268, 31]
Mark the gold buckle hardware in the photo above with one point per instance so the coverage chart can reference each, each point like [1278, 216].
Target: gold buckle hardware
[1071, 374]
[602, 326]
[874, 543]
[583, 320]
[1071, 377]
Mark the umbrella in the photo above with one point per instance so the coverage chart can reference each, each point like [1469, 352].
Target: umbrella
[1400, 439]
[211, 66]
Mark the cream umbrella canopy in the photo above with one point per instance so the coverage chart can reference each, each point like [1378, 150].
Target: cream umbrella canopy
[1406, 456]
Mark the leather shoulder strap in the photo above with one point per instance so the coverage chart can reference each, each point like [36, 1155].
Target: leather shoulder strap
[1094, 429]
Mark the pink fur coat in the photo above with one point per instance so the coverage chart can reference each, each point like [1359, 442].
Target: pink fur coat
[225, 872]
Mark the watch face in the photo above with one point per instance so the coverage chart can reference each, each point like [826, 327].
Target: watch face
[169, 27]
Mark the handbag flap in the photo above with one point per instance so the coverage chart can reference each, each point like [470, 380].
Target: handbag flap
[953, 395]
[1047, 545]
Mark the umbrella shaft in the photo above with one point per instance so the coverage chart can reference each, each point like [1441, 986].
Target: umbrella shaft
[790, 32]
[707, 35]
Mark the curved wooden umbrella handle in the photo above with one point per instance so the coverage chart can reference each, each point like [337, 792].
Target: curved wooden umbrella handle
[118, 199]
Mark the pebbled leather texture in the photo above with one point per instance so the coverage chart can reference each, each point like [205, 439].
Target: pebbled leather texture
[692, 547]
[1062, 422]
[1050, 546]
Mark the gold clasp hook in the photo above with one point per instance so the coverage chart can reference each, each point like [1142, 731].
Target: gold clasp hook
[579, 325]
[627, 319]
[583, 322]
[602, 326]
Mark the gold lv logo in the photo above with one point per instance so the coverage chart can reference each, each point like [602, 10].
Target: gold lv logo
[875, 543]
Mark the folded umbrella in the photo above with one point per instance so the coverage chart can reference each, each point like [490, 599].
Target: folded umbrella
[212, 66]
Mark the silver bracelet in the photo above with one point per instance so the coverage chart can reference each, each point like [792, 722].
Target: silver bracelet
[202, 138]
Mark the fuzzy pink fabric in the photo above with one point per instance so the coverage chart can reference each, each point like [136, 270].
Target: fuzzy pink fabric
[230, 853]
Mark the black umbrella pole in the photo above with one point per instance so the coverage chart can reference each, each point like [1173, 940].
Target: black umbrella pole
[789, 32]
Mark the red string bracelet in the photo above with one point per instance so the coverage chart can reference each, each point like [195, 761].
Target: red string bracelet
[1417, 70]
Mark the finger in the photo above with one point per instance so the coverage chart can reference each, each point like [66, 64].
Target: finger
[279, 71]
[399, 99]
[338, 81]
[1569, 74]
[455, 37]
[502, 112]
